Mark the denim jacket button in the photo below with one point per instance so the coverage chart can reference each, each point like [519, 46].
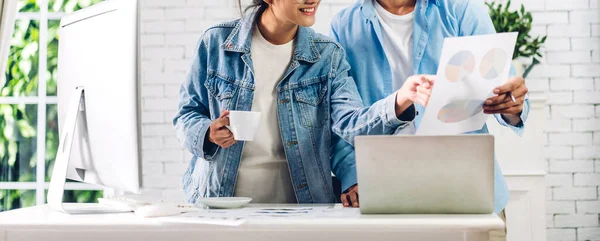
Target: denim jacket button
[284, 101]
[291, 143]
[303, 185]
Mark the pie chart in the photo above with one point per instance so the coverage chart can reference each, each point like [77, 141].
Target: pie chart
[460, 110]
[493, 63]
[460, 66]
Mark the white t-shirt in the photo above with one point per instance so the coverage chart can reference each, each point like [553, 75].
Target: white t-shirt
[263, 173]
[397, 31]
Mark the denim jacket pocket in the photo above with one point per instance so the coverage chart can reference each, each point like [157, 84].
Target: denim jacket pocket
[310, 100]
[221, 90]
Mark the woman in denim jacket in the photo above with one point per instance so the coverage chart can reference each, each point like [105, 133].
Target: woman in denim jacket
[271, 61]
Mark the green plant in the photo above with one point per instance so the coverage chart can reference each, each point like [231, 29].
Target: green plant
[18, 132]
[517, 21]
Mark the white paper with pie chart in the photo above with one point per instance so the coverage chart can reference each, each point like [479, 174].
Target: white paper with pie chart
[460, 66]
[493, 63]
[468, 71]
[460, 110]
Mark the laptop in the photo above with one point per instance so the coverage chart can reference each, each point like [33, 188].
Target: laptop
[425, 174]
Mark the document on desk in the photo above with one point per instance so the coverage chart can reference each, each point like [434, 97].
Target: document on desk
[201, 217]
[236, 217]
[469, 70]
[299, 212]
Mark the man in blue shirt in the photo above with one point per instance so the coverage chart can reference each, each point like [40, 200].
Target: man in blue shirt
[389, 40]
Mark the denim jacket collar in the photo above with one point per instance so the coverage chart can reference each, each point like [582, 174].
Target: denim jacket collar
[241, 37]
[367, 7]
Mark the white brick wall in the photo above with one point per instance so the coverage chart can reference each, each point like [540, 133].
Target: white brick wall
[569, 75]
[560, 207]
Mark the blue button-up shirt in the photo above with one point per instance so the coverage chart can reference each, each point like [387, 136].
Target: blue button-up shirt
[358, 30]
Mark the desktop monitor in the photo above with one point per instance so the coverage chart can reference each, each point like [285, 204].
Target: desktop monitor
[8, 10]
[98, 99]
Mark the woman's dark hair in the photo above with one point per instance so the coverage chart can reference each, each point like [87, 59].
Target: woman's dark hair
[260, 4]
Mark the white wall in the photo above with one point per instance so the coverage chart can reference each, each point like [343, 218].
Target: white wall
[570, 76]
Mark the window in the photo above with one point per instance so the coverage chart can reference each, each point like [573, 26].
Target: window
[29, 123]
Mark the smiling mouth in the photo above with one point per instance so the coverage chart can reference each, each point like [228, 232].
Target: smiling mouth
[308, 10]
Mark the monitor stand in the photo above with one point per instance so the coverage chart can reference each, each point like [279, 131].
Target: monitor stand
[61, 163]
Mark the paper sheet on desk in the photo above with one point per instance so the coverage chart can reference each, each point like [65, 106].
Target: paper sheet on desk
[469, 70]
[300, 212]
[236, 217]
[202, 218]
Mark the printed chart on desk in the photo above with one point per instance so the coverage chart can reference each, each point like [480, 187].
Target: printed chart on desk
[469, 69]
[236, 217]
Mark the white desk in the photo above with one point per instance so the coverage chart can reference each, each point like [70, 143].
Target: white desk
[42, 223]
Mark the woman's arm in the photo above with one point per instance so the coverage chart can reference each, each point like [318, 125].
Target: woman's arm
[193, 117]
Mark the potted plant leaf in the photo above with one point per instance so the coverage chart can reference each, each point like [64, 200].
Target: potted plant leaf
[527, 50]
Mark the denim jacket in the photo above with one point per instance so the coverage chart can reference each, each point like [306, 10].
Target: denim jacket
[315, 98]
[358, 29]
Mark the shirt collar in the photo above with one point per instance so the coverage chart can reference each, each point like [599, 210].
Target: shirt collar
[241, 37]
[367, 7]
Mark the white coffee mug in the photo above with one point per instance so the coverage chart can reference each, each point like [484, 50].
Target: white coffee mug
[243, 124]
